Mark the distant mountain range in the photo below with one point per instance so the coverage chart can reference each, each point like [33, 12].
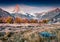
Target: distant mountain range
[40, 16]
[49, 15]
[4, 13]
[27, 15]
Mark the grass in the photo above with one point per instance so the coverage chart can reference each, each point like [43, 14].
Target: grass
[31, 36]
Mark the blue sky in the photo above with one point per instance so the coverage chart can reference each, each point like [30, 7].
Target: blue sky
[31, 2]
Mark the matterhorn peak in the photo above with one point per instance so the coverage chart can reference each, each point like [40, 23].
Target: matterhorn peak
[17, 9]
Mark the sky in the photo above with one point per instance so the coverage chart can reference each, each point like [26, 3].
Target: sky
[30, 6]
